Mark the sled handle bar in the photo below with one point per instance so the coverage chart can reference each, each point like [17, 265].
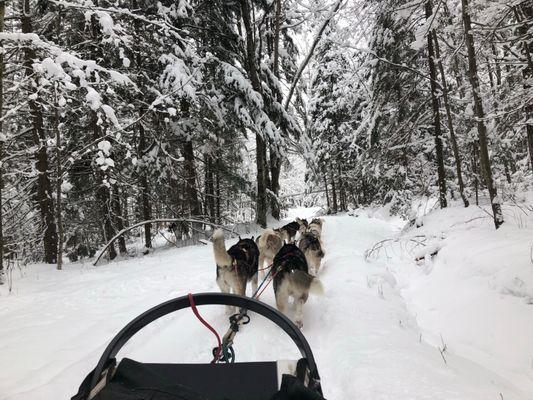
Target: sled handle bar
[204, 299]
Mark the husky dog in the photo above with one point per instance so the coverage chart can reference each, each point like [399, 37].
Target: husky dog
[291, 279]
[315, 227]
[237, 266]
[311, 246]
[269, 244]
[288, 232]
[303, 225]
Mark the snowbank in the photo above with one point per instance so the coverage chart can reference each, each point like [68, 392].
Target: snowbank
[477, 292]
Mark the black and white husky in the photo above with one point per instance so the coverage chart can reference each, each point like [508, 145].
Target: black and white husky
[288, 232]
[292, 279]
[236, 266]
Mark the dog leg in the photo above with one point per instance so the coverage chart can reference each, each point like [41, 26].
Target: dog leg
[240, 288]
[225, 288]
[299, 312]
[261, 272]
[282, 297]
[254, 282]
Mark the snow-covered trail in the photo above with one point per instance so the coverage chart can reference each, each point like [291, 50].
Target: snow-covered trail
[56, 324]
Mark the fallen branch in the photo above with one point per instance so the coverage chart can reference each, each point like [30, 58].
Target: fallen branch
[443, 350]
[382, 245]
[152, 221]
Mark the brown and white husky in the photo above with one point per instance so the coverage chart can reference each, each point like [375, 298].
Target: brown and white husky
[269, 243]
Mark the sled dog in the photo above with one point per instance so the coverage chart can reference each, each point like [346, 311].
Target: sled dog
[303, 225]
[269, 244]
[288, 232]
[315, 227]
[236, 266]
[311, 246]
[291, 279]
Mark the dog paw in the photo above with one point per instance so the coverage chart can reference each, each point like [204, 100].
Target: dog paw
[299, 323]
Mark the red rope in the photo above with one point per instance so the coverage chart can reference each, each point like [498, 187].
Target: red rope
[203, 321]
[267, 267]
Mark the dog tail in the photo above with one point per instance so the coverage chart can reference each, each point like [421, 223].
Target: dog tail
[316, 287]
[304, 282]
[222, 258]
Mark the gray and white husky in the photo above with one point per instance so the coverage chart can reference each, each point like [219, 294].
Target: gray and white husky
[236, 266]
[315, 227]
[311, 246]
[292, 279]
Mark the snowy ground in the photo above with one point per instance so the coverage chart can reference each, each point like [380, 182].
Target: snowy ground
[367, 342]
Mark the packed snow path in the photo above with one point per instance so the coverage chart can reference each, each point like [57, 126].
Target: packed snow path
[55, 325]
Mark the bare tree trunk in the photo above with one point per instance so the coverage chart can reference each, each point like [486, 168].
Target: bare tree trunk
[327, 193]
[334, 194]
[261, 209]
[195, 208]
[103, 196]
[449, 122]
[525, 11]
[261, 201]
[209, 188]
[44, 187]
[2, 15]
[119, 221]
[436, 115]
[190, 179]
[475, 170]
[145, 190]
[275, 170]
[342, 193]
[480, 117]
[275, 159]
[59, 182]
[217, 191]
[529, 131]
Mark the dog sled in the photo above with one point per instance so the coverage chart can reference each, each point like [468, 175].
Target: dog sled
[264, 380]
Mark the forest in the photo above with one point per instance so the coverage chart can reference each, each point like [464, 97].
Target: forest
[118, 112]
